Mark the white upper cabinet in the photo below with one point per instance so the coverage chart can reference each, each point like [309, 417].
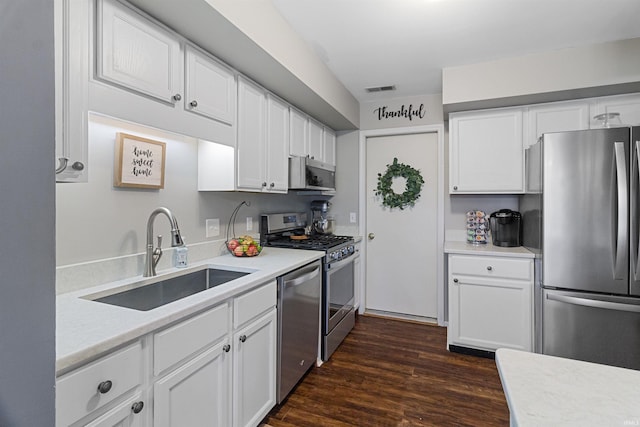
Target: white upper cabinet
[299, 133]
[316, 140]
[137, 54]
[486, 152]
[628, 106]
[556, 117]
[277, 144]
[210, 87]
[71, 37]
[329, 146]
[251, 137]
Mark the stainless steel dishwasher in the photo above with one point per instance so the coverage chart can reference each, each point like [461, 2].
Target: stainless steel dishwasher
[298, 325]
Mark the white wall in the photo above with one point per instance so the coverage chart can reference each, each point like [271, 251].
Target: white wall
[401, 112]
[596, 70]
[97, 220]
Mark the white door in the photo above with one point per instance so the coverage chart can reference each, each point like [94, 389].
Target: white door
[402, 250]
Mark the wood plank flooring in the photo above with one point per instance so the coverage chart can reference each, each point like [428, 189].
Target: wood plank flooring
[396, 373]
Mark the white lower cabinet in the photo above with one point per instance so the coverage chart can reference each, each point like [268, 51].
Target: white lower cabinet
[197, 393]
[490, 302]
[216, 368]
[254, 370]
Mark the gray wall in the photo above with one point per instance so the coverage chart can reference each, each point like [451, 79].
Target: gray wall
[27, 251]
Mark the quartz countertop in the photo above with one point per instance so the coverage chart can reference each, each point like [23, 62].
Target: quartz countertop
[85, 329]
[553, 391]
[464, 248]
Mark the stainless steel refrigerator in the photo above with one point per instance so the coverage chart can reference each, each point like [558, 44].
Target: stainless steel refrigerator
[581, 213]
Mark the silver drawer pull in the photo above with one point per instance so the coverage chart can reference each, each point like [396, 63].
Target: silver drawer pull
[489, 268]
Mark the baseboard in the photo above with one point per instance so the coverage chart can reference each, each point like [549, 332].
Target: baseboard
[472, 351]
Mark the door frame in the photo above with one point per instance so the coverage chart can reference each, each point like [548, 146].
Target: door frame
[362, 205]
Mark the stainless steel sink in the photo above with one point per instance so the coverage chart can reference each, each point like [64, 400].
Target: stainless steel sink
[157, 294]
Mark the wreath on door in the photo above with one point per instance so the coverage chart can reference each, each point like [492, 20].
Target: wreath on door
[412, 189]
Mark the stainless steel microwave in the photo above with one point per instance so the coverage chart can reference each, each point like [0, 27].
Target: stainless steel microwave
[310, 174]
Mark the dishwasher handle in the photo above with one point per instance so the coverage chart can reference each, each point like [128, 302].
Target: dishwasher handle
[299, 280]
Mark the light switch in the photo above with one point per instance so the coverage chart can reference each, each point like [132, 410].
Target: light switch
[212, 227]
[352, 217]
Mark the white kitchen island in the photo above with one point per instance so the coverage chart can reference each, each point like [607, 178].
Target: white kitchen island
[544, 390]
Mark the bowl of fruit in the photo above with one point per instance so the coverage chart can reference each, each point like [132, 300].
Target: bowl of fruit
[243, 246]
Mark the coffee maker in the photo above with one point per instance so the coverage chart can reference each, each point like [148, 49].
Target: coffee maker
[506, 228]
[321, 221]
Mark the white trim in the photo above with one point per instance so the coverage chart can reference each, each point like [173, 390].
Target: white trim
[362, 205]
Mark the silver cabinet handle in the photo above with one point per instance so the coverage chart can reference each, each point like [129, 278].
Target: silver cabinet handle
[273, 184]
[104, 387]
[226, 348]
[194, 103]
[177, 97]
[264, 184]
[371, 236]
[455, 280]
[243, 338]
[137, 407]
[489, 268]
[455, 187]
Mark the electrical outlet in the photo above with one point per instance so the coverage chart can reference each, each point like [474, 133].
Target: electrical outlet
[212, 227]
[352, 217]
[249, 223]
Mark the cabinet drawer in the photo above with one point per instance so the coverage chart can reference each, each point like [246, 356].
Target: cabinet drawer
[77, 392]
[483, 266]
[186, 338]
[253, 303]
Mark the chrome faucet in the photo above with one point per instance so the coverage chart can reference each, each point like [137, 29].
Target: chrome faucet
[153, 255]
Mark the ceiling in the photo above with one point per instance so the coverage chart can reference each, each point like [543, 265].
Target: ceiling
[407, 43]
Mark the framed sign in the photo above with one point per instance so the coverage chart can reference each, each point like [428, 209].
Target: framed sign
[139, 162]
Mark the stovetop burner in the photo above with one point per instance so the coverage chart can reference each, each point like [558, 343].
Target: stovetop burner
[313, 242]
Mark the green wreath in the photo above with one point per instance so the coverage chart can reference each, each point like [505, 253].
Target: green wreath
[412, 188]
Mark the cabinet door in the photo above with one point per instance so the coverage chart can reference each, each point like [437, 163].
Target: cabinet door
[210, 87]
[137, 54]
[316, 141]
[131, 413]
[329, 146]
[71, 36]
[299, 133]
[486, 152]
[197, 393]
[490, 313]
[628, 106]
[556, 117]
[251, 137]
[254, 371]
[277, 145]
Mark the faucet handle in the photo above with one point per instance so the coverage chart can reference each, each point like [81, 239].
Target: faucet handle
[160, 240]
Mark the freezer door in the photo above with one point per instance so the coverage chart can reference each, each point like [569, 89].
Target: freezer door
[600, 329]
[634, 217]
[586, 210]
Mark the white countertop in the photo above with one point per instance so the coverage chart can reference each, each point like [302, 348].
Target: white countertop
[552, 391]
[464, 248]
[86, 329]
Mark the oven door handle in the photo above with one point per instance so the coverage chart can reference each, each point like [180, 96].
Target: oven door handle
[302, 279]
[336, 265]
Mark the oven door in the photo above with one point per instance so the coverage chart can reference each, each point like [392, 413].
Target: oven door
[338, 291]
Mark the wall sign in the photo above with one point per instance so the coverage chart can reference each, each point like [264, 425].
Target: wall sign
[139, 162]
[407, 112]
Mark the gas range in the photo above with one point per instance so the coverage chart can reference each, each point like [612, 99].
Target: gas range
[288, 231]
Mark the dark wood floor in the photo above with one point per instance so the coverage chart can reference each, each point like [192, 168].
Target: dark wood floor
[395, 373]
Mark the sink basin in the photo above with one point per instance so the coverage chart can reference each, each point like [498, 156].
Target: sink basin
[157, 294]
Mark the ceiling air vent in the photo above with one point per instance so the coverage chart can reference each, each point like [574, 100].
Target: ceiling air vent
[380, 88]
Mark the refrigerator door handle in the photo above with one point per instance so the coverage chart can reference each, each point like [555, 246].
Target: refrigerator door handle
[585, 302]
[635, 183]
[621, 225]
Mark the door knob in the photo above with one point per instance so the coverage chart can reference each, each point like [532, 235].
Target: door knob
[371, 236]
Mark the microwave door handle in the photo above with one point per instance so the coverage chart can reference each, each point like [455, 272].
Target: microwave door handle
[635, 200]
